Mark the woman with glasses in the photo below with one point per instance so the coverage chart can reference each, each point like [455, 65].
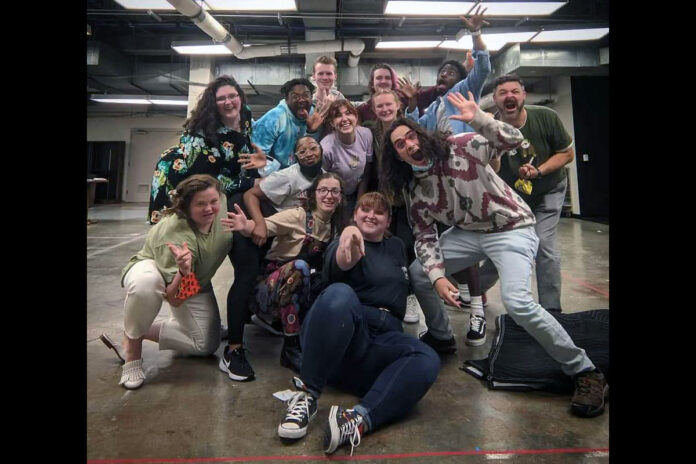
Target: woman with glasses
[347, 150]
[283, 189]
[216, 141]
[286, 290]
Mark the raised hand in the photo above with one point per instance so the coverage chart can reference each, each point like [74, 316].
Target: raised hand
[469, 61]
[351, 244]
[407, 88]
[474, 24]
[182, 256]
[316, 119]
[256, 160]
[234, 221]
[467, 107]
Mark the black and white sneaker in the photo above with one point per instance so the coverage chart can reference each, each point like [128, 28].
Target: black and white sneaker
[345, 425]
[476, 336]
[302, 408]
[276, 328]
[235, 364]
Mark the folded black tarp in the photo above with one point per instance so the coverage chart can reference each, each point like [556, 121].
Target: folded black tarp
[517, 362]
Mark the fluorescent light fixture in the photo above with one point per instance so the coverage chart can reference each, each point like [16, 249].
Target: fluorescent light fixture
[252, 5]
[465, 43]
[493, 41]
[125, 99]
[201, 48]
[520, 8]
[167, 100]
[571, 35]
[409, 8]
[141, 99]
[427, 8]
[408, 44]
[146, 4]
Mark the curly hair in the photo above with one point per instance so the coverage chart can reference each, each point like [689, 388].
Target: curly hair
[205, 118]
[185, 191]
[395, 173]
[456, 64]
[337, 219]
[287, 87]
[394, 76]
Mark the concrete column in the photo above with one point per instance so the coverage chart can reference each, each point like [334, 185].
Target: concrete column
[201, 70]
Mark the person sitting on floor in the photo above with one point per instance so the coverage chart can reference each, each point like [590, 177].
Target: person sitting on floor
[284, 291]
[352, 336]
[181, 254]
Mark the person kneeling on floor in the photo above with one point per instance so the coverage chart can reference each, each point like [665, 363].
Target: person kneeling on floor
[181, 254]
[353, 338]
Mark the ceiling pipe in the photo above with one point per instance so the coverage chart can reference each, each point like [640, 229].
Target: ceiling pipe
[218, 33]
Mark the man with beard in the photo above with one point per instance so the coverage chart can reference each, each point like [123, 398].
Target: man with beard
[280, 190]
[541, 158]
[277, 131]
[452, 77]
[451, 182]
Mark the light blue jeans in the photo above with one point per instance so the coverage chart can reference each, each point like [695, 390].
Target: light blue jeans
[512, 252]
[548, 258]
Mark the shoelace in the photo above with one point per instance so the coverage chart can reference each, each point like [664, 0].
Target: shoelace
[586, 384]
[298, 405]
[240, 351]
[350, 431]
[476, 323]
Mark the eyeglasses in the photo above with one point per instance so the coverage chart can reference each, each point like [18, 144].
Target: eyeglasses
[401, 143]
[297, 96]
[301, 153]
[222, 98]
[323, 191]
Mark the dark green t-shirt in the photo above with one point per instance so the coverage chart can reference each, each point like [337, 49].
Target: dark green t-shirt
[544, 136]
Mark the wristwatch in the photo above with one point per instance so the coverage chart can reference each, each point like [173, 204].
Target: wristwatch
[539, 176]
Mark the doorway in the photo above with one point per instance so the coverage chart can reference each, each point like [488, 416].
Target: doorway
[591, 121]
[106, 160]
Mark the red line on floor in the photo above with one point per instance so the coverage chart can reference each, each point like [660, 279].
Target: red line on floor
[585, 284]
[348, 458]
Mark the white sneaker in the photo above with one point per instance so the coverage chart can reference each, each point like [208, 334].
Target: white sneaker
[133, 374]
[413, 310]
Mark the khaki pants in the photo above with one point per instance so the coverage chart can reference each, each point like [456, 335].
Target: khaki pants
[194, 327]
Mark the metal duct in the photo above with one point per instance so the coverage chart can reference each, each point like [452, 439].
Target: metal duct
[218, 33]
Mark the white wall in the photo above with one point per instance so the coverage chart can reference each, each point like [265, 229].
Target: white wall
[563, 105]
[114, 129]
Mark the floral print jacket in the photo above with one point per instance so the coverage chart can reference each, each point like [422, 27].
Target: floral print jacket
[194, 155]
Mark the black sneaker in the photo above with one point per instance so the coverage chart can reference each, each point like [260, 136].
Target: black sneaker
[275, 328]
[441, 346]
[302, 408]
[476, 336]
[345, 425]
[291, 354]
[236, 365]
[591, 391]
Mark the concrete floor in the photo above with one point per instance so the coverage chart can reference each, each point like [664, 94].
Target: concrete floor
[189, 411]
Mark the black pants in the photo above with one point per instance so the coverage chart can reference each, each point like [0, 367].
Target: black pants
[246, 259]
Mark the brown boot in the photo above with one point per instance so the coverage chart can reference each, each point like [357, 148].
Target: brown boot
[591, 391]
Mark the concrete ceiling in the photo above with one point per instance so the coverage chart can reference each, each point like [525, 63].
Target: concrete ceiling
[129, 51]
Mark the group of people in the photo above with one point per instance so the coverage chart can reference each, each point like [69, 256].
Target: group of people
[341, 219]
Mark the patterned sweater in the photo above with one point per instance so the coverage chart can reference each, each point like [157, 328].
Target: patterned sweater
[463, 190]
